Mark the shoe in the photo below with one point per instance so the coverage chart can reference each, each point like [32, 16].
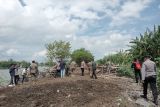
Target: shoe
[143, 96]
[10, 85]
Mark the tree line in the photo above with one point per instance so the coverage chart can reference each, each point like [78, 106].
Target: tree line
[147, 43]
[62, 50]
[6, 64]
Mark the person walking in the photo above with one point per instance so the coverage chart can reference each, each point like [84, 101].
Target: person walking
[62, 68]
[137, 69]
[149, 77]
[82, 67]
[12, 74]
[94, 67]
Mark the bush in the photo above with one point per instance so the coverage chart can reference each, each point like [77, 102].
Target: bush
[125, 71]
[158, 80]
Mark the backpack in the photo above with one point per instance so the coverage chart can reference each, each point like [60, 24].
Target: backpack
[137, 66]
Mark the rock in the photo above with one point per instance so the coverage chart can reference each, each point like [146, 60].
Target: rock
[129, 99]
[135, 94]
[69, 96]
[57, 91]
[142, 102]
[119, 99]
[91, 94]
[118, 104]
[51, 105]
[2, 97]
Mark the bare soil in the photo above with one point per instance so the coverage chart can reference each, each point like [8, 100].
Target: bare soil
[75, 91]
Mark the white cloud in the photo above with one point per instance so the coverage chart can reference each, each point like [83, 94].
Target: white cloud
[40, 53]
[42, 21]
[110, 42]
[129, 10]
[39, 56]
[11, 52]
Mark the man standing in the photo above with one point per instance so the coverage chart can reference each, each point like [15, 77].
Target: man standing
[58, 69]
[149, 77]
[12, 74]
[73, 66]
[16, 74]
[90, 68]
[94, 67]
[62, 68]
[33, 69]
[137, 69]
[24, 73]
[82, 67]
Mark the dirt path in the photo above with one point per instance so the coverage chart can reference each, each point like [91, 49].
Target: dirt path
[77, 91]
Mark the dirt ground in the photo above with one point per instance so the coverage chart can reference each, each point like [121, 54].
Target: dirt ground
[74, 91]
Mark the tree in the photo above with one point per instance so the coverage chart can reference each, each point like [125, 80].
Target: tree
[121, 57]
[82, 54]
[146, 44]
[58, 49]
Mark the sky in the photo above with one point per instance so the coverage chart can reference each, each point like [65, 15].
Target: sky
[101, 26]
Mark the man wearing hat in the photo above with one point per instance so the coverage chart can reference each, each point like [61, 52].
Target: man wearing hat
[149, 77]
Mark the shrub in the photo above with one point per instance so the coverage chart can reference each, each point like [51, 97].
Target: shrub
[125, 71]
[158, 80]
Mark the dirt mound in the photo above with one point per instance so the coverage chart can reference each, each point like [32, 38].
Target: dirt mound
[67, 92]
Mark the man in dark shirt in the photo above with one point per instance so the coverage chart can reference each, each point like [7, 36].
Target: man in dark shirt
[94, 67]
[62, 68]
[12, 73]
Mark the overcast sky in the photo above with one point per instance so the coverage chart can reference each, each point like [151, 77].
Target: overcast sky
[101, 26]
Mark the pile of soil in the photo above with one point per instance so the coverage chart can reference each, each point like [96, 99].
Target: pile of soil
[67, 92]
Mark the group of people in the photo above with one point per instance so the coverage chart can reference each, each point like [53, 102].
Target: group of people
[92, 66]
[63, 68]
[16, 72]
[146, 74]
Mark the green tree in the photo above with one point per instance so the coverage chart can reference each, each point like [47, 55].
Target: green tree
[146, 44]
[81, 54]
[6, 64]
[58, 49]
[121, 58]
[24, 64]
